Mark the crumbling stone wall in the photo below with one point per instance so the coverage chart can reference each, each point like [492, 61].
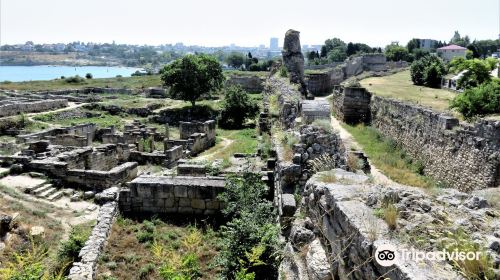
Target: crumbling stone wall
[250, 83]
[289, 99]
[16, 108]
[352, 105]
[465, 156]
[323, 83]
[184, 195]
[85, 130]
[349, 235]
[89, 255]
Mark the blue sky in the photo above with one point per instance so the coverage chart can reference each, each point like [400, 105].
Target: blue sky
[249, 23]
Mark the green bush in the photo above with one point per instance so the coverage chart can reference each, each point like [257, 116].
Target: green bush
[237, 107]
[250, 238]
[89, 76]
[74, 80]
[479, 101]
[427, 71]
[283, 71]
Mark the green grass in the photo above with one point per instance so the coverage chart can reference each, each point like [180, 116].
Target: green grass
[124, 82]
[151, 249]
[243, 141]
[400, 86]
[388, 157]
[261, 74]
[104, 120]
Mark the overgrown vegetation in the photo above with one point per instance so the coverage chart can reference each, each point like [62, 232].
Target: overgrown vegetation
[479, 101]
[250, 245]
[427, 71]
[157, 249]
[475, 268]
[236, 108]
[389, 157]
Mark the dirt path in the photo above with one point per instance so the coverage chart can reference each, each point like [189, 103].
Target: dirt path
[71, 105]
[351, 144]
[220, 147]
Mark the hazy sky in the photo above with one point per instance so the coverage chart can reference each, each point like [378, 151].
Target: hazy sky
[248, 23]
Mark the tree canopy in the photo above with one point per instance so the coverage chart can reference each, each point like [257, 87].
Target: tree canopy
[191, 76]
[397, 53]
[427, 71]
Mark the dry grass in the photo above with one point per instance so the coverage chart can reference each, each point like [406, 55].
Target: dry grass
[388, 157]
[391, 216]
[400, 86]
[138, 250]
[327, 177]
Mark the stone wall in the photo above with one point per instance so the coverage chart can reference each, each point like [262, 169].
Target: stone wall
[323, 83]
[289, 99]
[349, 235]
[94, 168]
[315, 110]
[85, 130]
[184, 195]
[85, 269]
[16, 108]
[465, 156]
[352, 105]
[248, 82]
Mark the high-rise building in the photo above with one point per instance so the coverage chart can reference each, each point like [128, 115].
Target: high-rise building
[273, 45]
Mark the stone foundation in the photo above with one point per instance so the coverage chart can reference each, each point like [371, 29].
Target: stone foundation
[15, 108]
[184, 195]
[248, 82]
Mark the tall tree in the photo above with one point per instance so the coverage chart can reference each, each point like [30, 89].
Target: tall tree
[193, 75]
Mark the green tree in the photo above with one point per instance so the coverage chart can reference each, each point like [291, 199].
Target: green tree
[89, 76]
[478, 101]
[331, 44]
[235, 59]
[460, 41]
[397, 53]
[337, 55]
[427, 71]
[193, 75]
[478, 72]
[237, 107]
[413, 44]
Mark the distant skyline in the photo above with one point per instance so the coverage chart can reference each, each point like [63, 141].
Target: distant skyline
[249, 23]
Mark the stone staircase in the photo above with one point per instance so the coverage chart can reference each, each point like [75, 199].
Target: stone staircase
[45, 190]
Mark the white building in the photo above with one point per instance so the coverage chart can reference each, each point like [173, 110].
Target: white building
[449, 52]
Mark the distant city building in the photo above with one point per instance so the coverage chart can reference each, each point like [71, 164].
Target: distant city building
[273, 45]
[449, 52]
[427, 43]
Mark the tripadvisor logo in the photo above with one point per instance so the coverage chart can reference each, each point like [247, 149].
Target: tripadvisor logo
[387, 255]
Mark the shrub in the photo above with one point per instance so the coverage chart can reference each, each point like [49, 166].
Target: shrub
[74, 80]
[427, 71]
[69, 249]
[89, 76]
[250, 238]
[327, 177]
[237, 107]
[479, 101]
[283, 71]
